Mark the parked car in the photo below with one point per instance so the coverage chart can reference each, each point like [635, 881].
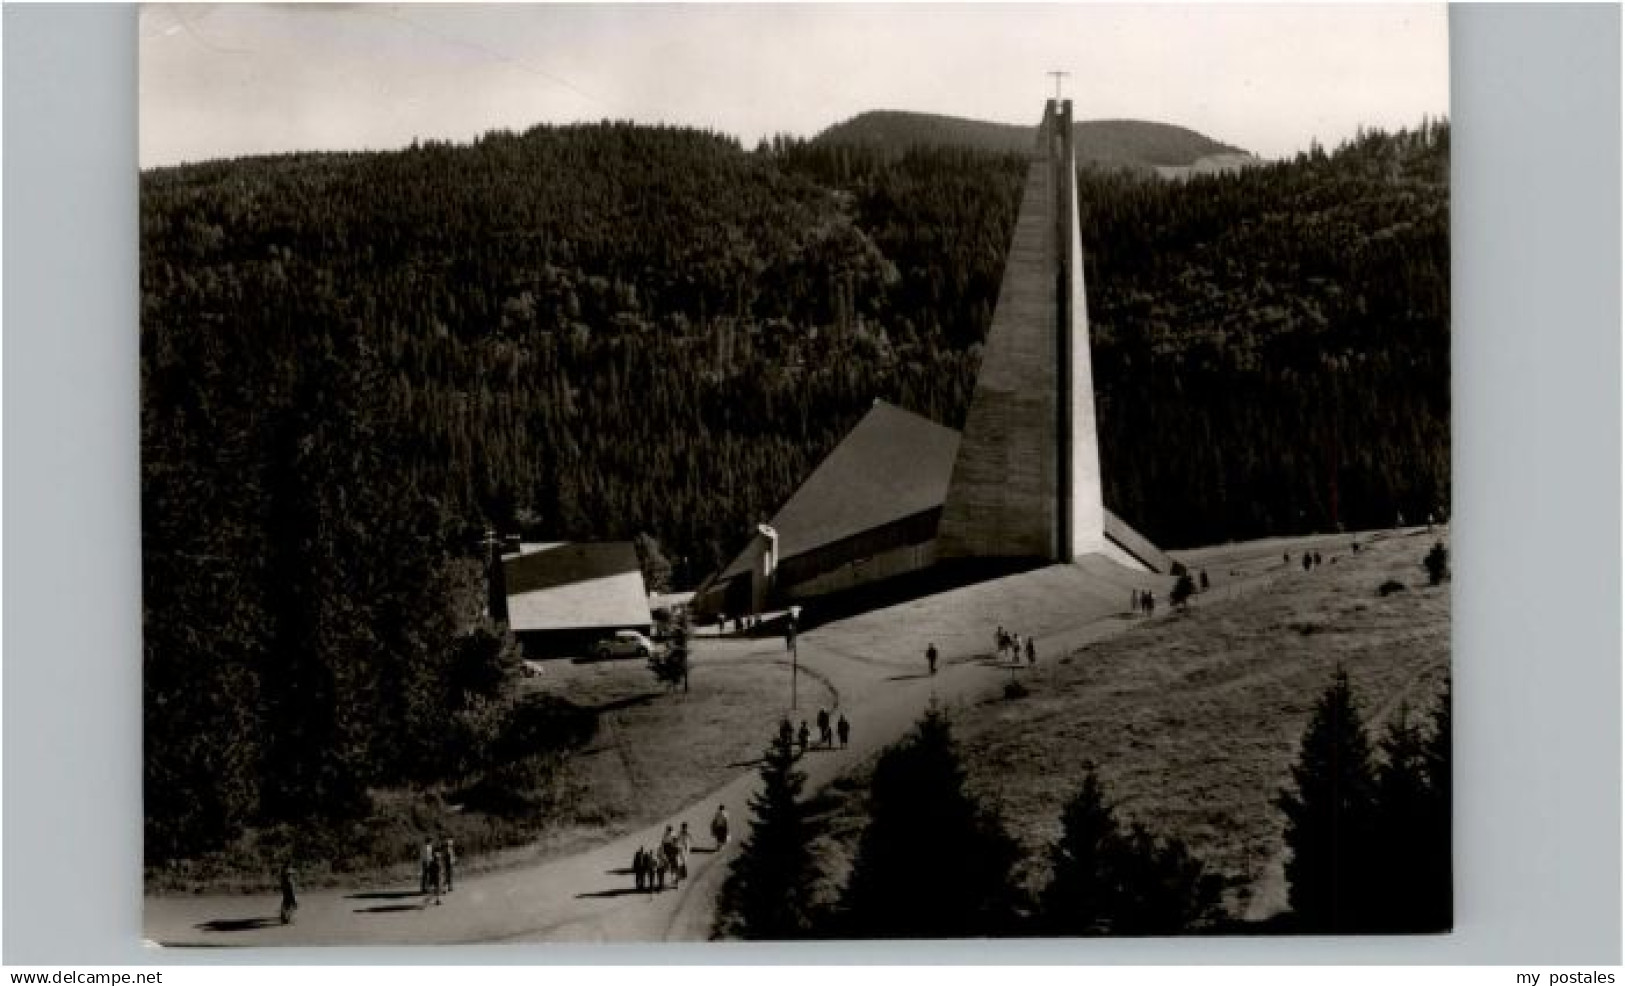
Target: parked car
[625, 643]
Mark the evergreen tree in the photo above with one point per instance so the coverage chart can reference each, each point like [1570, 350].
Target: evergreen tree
[932, 862]
[767, 895]
[1165, 890]
[1106, 881]
[1182, 591]
[1437, 563]
[656, 568]
[1414, 802]
[1403, 830]
[1438, 869]
[670, 666]
[1082, 894]
[1330, 818]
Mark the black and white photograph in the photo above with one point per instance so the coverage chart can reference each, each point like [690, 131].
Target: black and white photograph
[794, 472]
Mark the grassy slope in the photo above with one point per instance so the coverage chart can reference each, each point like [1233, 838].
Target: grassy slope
[1194, 720]
[656, 753]
[652, 754]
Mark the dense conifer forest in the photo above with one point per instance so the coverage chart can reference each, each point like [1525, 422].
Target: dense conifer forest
[352, 363]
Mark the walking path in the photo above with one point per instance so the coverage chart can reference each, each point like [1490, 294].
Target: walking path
[874, 663]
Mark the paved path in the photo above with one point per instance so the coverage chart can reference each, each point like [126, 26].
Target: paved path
[879, 674]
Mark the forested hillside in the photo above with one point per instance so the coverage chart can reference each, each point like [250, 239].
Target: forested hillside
[352, 363]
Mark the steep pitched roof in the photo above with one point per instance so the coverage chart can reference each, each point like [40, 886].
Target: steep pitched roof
[572, 585]
[892, 465]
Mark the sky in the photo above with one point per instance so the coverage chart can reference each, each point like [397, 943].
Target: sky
[233, 79]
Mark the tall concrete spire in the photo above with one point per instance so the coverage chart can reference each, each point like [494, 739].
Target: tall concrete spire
[1026, 483]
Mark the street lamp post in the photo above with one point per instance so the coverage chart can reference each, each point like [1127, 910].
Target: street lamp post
[795, 651]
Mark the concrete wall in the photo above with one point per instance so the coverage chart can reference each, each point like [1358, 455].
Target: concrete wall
[885, 565]
[1085, 529]
[1135, 546]
[764, 565]
[1026, 483]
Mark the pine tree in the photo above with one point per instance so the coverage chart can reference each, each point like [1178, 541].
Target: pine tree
[670, 667]
[1106, 881]
[932, 862]
[1435, 907]
[1404, 803]
[1165, 890]
[1182, 591]
[1437, 563]
[1330, 814]
[1082, 893]
[767, 894]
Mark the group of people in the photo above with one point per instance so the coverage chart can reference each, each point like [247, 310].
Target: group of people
[669, 860]
[828, 729]
[741, 623]
[1013, 646]
[1143, 601]
[438, 862]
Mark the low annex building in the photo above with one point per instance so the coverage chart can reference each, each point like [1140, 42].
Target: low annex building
[562, 597]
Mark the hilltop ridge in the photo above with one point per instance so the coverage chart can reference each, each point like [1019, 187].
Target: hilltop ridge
[1138, 145]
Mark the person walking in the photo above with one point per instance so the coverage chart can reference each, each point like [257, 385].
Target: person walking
[844, 728]
[427, 864]
[685, 842]
[436, 876]
[668, 853]
[1150, 603]
[802, 736]
[931, 655]
[637, 868]
[1135, 604]
[668, 857]
[448, 853]
[719, 827]
[290, 899]
[823, 729]
[787, 734]
[1032, 654]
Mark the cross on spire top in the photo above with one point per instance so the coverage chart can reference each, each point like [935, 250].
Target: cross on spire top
[1058, 76]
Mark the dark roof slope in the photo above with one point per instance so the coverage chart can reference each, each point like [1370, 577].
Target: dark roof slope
[575, 584]
[894, 464]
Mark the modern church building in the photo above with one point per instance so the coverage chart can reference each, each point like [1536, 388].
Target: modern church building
[902, 495]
